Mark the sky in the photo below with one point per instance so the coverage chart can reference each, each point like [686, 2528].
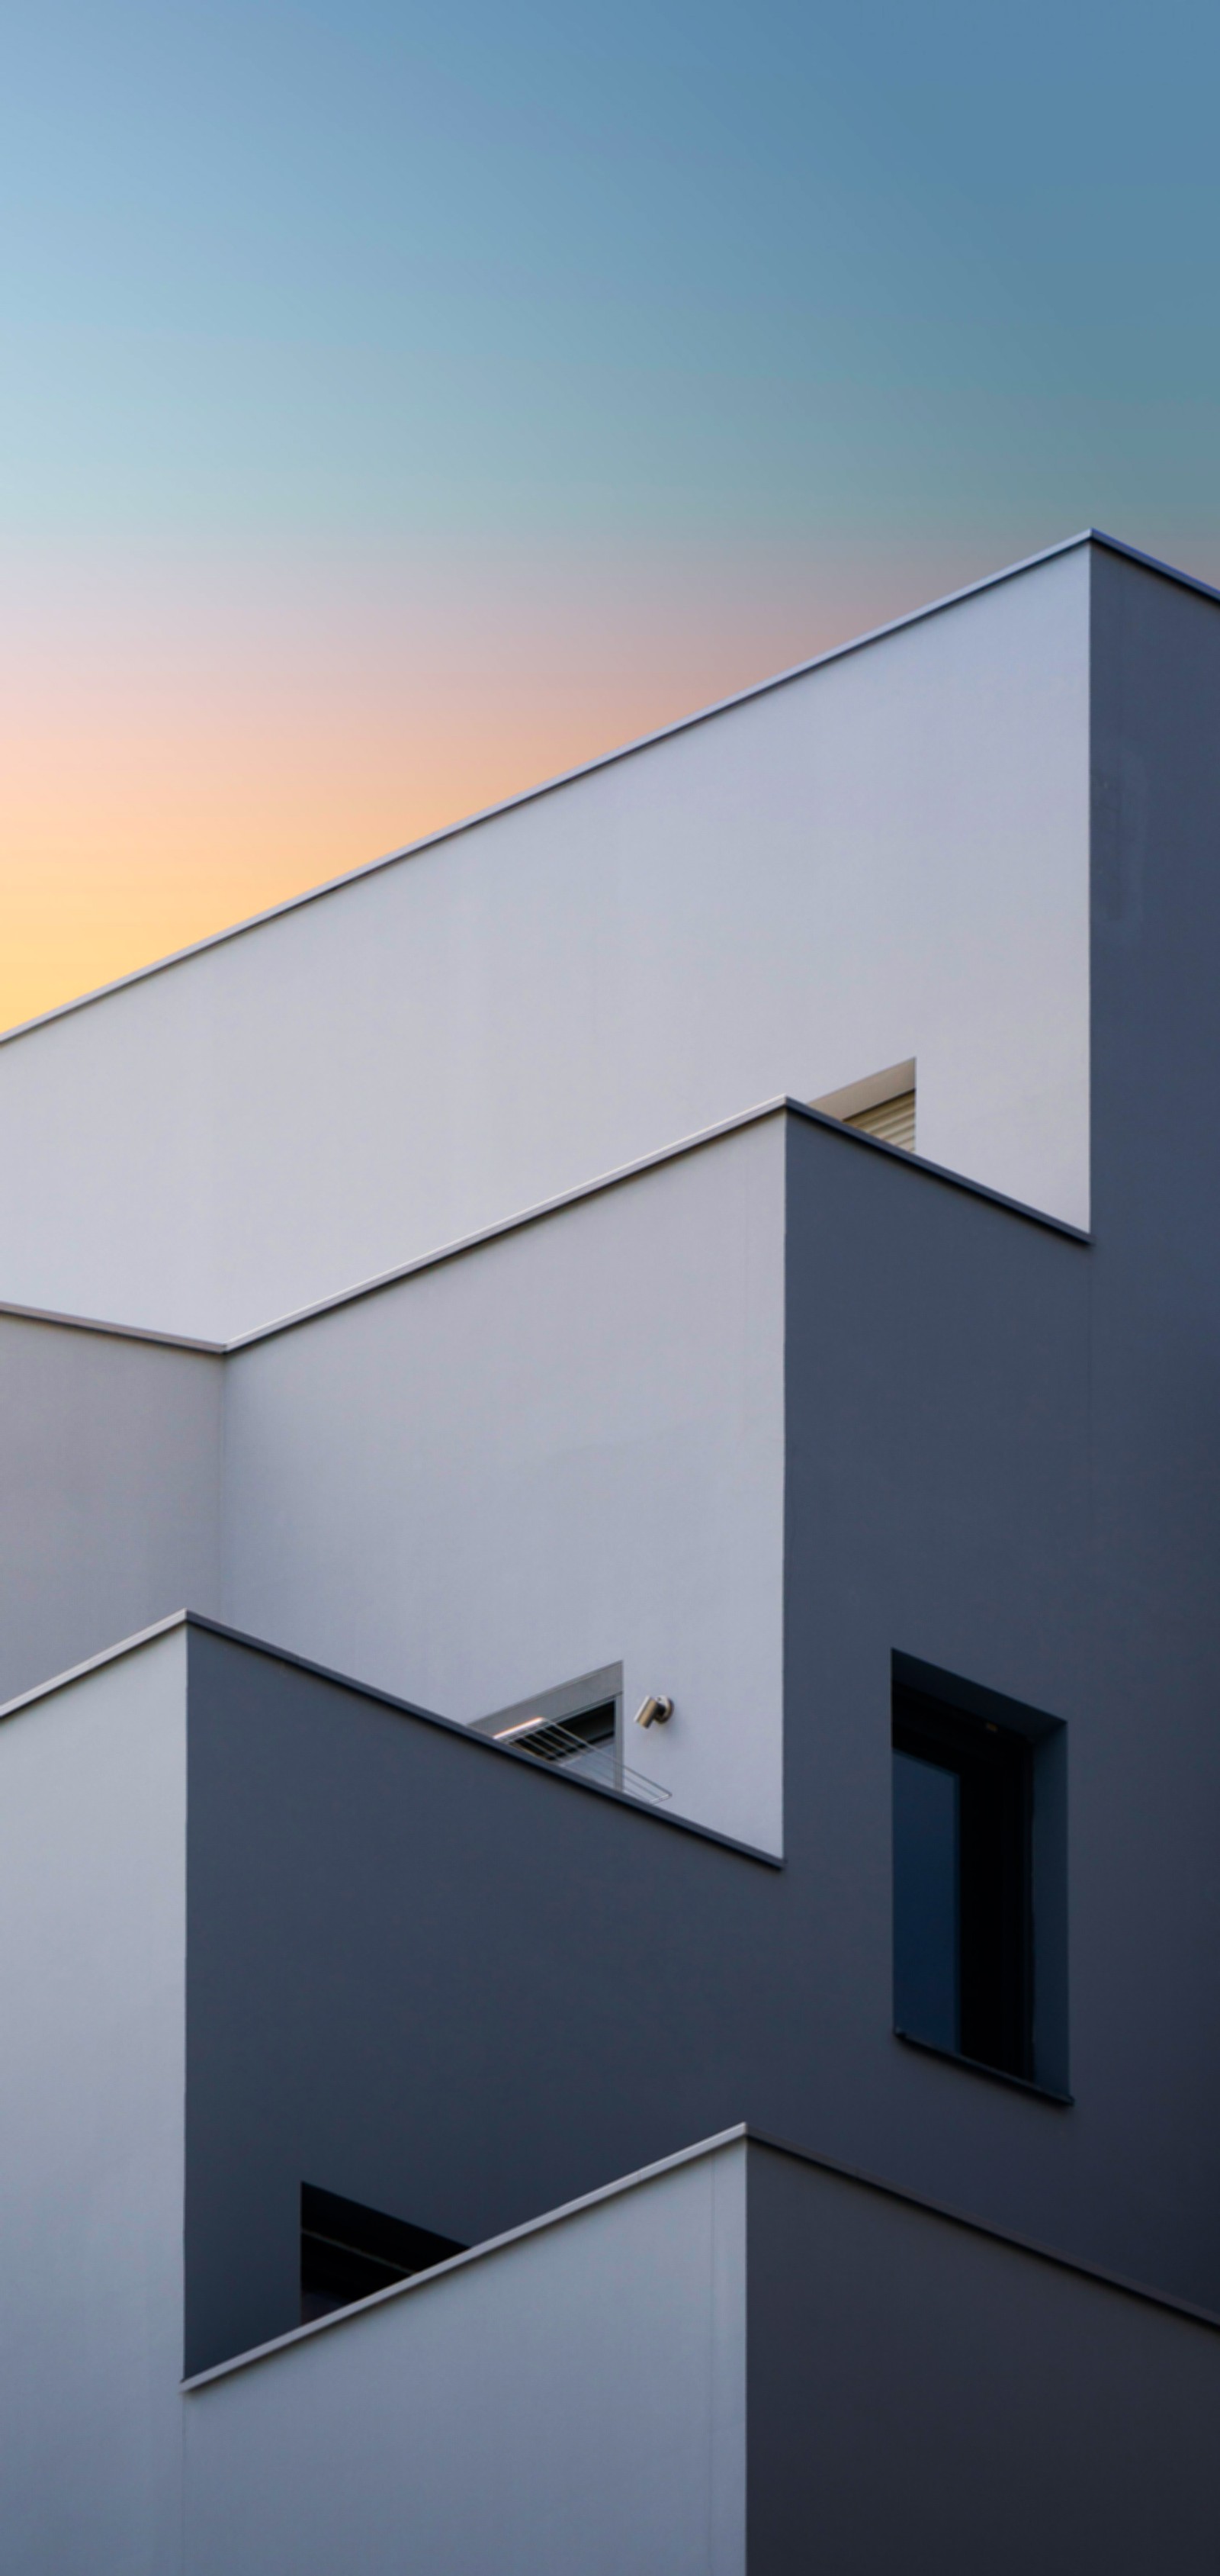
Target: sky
[402, 404]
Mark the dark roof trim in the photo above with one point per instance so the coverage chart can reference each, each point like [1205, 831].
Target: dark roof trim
[855, 1138]
[607, 760]
[616, 2190]
[983, 2227]
[1149, 563]
[484, 1745]
[781, 1106]
[742, 2135]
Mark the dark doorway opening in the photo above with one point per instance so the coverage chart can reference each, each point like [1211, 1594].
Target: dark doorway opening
[963, 1958]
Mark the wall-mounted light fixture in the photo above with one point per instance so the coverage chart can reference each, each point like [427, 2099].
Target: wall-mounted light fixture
[654, 1712]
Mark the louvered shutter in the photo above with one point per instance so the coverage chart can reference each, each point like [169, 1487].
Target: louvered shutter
[892, 1120]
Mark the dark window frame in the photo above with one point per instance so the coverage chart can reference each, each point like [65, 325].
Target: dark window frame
[994, 1769]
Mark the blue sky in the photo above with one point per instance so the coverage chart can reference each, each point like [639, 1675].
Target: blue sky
[675, 271]
[526, 375]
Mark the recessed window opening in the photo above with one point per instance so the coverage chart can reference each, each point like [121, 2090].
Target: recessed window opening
[892, 1120]
[963, 1923]
[883, 1105]
[556, 1740]
[576, 1726]
[585, 1715]
[348, 2252]
[586, 1744]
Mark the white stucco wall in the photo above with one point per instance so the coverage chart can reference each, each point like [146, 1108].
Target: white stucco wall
[571, 2404]
[109, 1491]
[563, 1450]
[92, 2044]
[886, 858]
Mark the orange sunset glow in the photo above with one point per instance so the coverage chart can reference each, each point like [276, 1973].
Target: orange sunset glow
[179, 755]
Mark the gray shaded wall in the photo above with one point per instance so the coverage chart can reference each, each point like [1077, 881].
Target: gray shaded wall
[109, 1493]
[1148, 1774]
[938, 1367]
[886, 858]
[1021, 1488]
[601, 1986]
[927, 2398]
[439, 1979]
[429, 1976]
[743, 2361]
[469, 1461]
[570, 2405]
[92, 2043]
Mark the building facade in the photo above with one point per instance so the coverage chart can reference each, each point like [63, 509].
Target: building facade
[730, 1237]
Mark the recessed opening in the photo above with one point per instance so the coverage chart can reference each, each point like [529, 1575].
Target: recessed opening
[962, 1915]
[562, 1740]
[575, 1726]
[882, 1104]
[348, 2252]
[893, 1120]
[578, 1721]
[980, 1876]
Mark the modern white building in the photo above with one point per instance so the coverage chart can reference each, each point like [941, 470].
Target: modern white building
[731, 1236]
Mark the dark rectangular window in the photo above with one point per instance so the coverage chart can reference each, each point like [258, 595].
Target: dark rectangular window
[348, 2251]
[962, 1883]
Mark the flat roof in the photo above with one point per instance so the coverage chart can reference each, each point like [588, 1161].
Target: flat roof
[607, 760]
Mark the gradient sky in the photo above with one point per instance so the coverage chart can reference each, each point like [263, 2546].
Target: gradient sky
[402, 403]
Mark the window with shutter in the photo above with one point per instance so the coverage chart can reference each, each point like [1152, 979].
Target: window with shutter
[882, 1105]
[892, 1120]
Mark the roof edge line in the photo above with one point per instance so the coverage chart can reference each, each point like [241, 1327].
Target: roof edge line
[741, 2133]
[1150, 563]
[519, 1221]
[588, 768]
[974, 2226]
[675, 1822]
[94, 1663]
[738, 2135]
[485, 1745]
[781, 1104]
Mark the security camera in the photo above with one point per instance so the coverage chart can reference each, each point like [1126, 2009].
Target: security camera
[654, 1712]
